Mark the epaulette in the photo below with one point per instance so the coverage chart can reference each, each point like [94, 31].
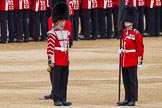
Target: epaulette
[54, 27]
[136, 30]
[52, 31]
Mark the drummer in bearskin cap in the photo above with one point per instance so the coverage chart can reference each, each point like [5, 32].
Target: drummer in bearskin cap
[132, 50]
[57, 51]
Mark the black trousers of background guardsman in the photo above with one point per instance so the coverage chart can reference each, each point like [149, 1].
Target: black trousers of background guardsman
[94, 20]
[160, 19]
[3, 25]
[87, 16]
[59, 82]
[11, 26]
[150, 20]
[40, 18]
[141, 19]
[115, 18]
[130, 83]
[75, 24]
[25, 25]
[103, 24]
[19, 25]
[71, 40]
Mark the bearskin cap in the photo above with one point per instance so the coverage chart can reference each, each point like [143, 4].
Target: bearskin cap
[60, 12]
[130, 14]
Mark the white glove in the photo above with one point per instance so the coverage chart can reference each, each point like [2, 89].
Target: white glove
[119, 51]
[139, 66]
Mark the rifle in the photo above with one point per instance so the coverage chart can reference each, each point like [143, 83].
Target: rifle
[120, 27]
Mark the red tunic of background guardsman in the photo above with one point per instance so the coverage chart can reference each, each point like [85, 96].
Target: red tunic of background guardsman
[6, 6]
[86, 4]
[131, 40]
[136, 3]
[61, 57]
[153, 3]
[22, 4]
[39, 5]
[76, 4]
[116, 3]
[71, 7]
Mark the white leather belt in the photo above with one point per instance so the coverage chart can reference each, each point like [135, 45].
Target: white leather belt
[61, 48]
[128, 51]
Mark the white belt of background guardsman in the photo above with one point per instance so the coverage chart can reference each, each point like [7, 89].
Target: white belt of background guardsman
[62, 49]
[128, 51]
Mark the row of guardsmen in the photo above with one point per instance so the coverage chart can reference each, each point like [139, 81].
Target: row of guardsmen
[21, 20]
[100, 17]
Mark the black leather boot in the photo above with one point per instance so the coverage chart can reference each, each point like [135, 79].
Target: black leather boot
[125, 102]
[66, 103]
[48, 96]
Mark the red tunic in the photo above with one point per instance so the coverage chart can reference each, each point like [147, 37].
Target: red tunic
[116, 3]
[71, 7]
[86, 4]
[126, 2]
[58, 42]
[68, 26]
[39, 5]
[76, 4]
[136, 3]
[50, 23]
[109, 4]
[21, 4]
[133, 47]
[153, 3]
[94, 4]
[104, 4]
[6, 6]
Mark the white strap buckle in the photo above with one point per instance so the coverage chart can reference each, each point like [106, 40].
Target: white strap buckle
[61, 49]
[128, 51]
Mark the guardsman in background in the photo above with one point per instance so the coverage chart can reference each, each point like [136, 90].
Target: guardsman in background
[132, 51]
[48, 13]
[115, 17]
[39, 9]
[161, 20]
[101, 17]
[153, 17]
[94, 19]
[3, 20]
[11, 27]
[81, 33]
[86, 12]
[140, 4]
[109, 18]
[31, 22]
[158, 4]
[18, 13]
[76, 5]
[26, 10]
[71, 13]
[105, 10]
